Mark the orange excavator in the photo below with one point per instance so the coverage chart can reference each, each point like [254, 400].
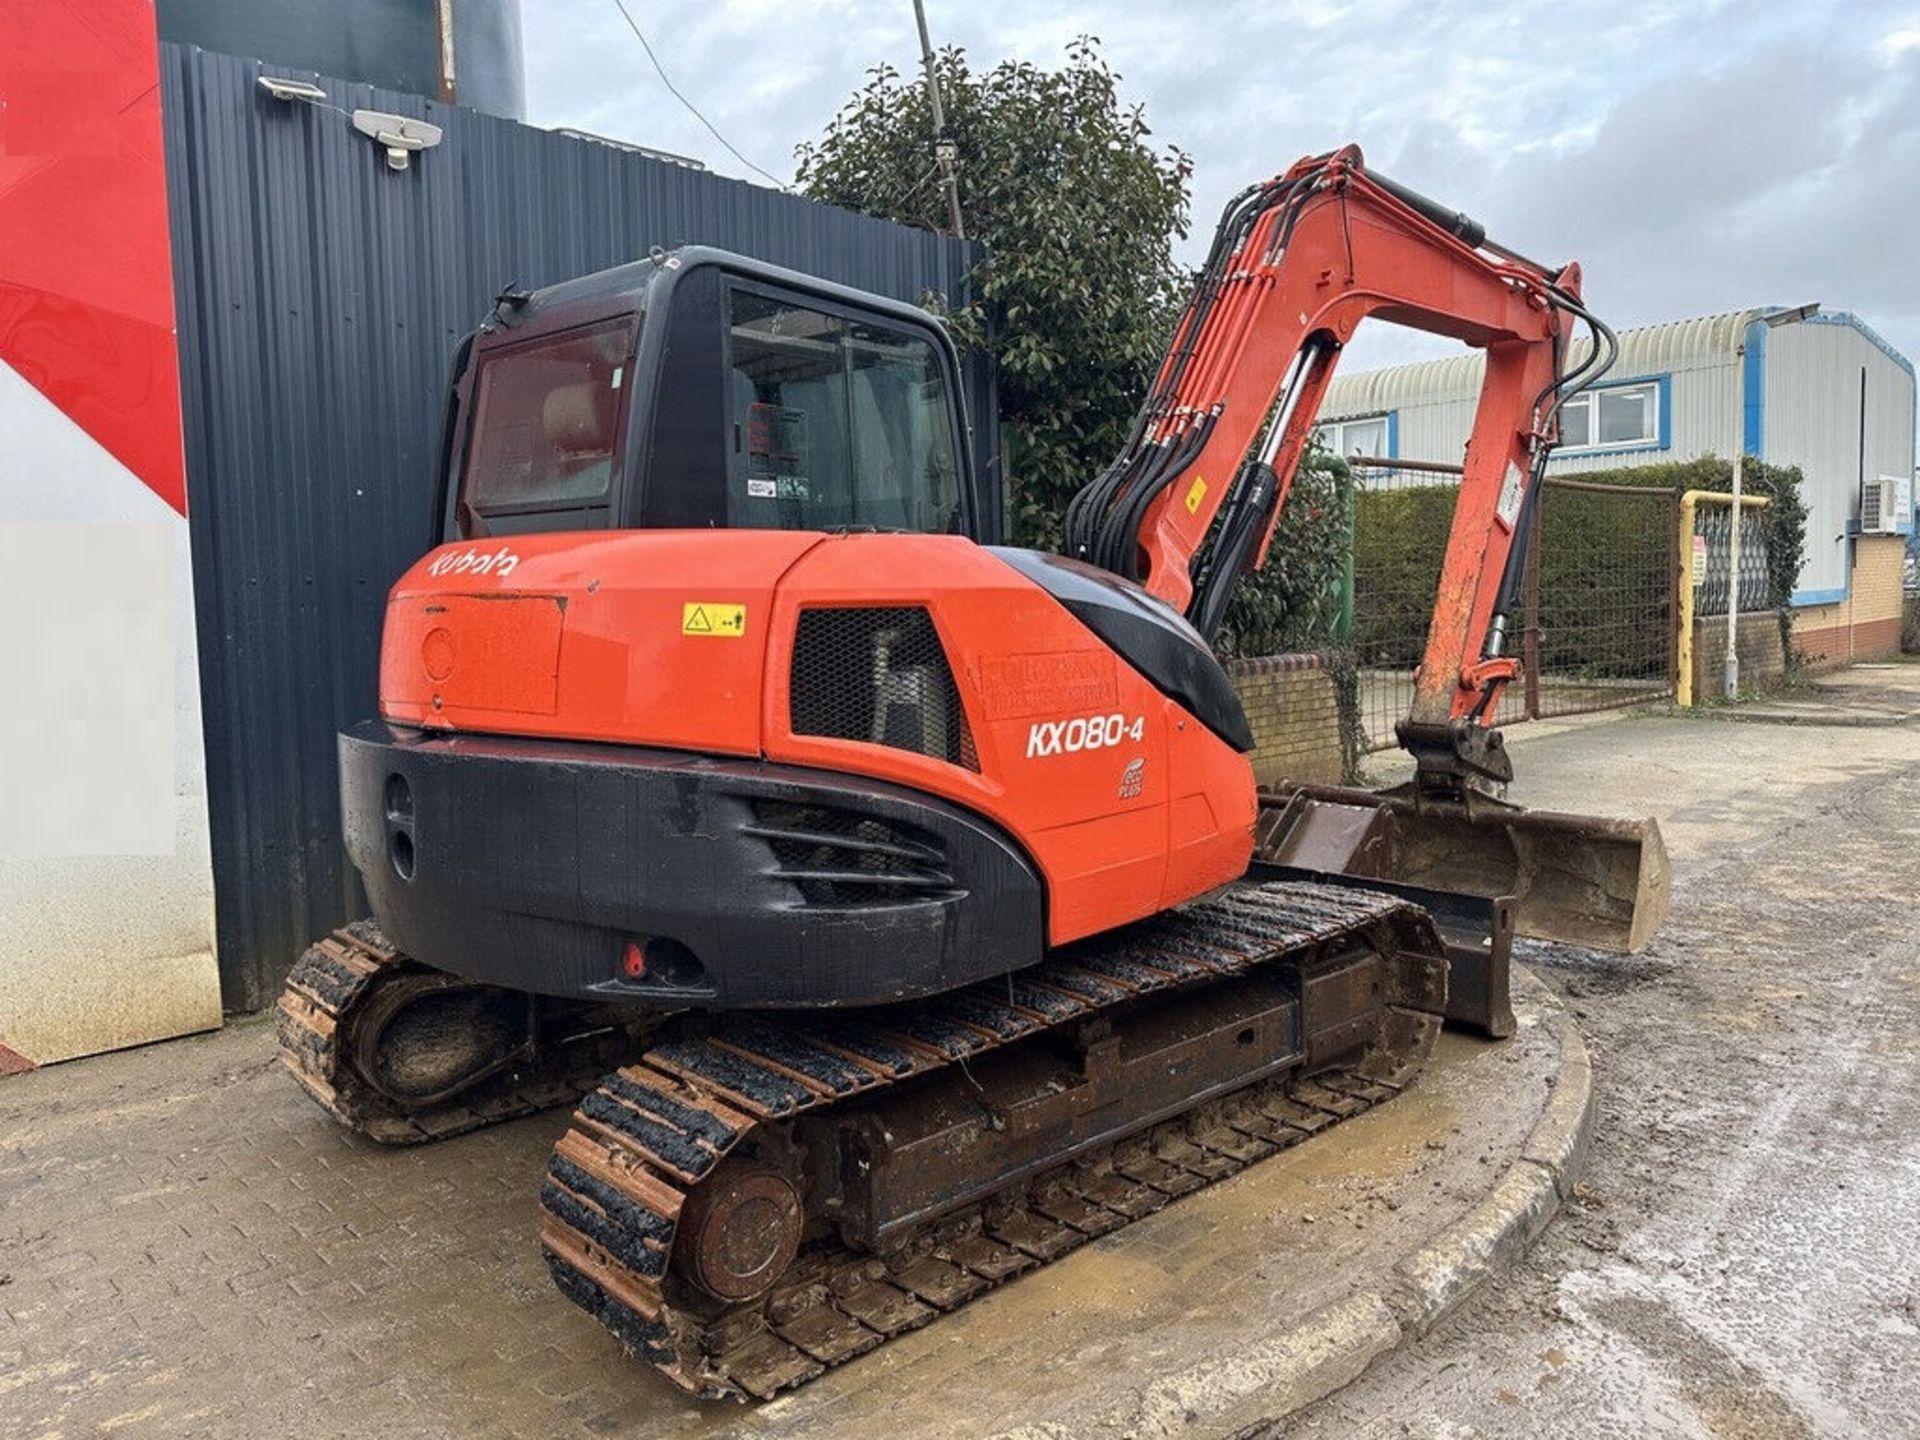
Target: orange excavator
[888, 901]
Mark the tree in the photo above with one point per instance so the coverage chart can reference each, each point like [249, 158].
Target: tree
[1076, 296]
[1078, 215]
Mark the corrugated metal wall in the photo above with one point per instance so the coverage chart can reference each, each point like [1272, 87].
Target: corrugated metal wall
[1813, 418]
[320, 296]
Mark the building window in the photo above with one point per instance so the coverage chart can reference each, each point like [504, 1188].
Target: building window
[1612, 417]
[1366, 436]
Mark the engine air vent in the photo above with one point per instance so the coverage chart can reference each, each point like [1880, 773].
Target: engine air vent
[879, 676]
[841, 857]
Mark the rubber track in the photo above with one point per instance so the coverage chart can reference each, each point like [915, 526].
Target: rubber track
[652, 1131]
[314, 1019]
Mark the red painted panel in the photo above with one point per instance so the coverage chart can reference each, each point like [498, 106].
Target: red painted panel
[86, 283]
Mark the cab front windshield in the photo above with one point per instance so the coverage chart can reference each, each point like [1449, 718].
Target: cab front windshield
[547, 413]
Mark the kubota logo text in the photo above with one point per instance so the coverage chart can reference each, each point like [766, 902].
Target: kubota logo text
[474, 562]
[1092, 732]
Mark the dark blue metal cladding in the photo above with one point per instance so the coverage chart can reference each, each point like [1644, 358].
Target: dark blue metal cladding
[395, 43]
[320, 297]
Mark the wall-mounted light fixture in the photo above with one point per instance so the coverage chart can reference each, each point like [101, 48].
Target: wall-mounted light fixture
[400, 134]
[281, 88]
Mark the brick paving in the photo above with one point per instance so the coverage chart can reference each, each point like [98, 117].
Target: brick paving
[191, 1248]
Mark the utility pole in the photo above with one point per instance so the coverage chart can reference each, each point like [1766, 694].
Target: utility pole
[1773, 321]
[945, 152]
[1731, 670]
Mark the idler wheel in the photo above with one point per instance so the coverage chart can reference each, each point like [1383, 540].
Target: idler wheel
[739, 1231]
[425, 1037]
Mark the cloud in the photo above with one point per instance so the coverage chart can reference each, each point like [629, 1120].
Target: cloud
[1693, 156]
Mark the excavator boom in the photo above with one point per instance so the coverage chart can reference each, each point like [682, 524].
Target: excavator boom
[1190, 505]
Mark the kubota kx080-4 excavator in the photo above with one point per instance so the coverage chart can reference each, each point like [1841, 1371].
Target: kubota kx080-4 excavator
[909, 881]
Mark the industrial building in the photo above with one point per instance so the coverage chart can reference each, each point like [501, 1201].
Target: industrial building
[1817, 390]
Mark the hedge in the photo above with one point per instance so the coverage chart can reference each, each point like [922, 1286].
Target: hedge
[1604, 562]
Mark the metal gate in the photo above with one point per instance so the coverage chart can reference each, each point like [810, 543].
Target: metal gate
[1597, 628]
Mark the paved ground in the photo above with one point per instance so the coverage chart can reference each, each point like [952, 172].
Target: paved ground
[192, 1248]
[1742, 1260]
[186, 1248]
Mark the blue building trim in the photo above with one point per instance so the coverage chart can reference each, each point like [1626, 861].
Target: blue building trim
[1753, 381]
[1873, 337]
[1753, 425]
[1819, 597]
[1393, 434]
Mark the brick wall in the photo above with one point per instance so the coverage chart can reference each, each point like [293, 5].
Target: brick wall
[1866, 625]
[1761, 662]
[1294, 711]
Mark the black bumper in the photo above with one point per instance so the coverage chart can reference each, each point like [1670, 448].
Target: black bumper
[535, 864]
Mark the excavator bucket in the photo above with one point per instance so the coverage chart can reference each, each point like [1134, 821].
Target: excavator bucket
[1596, 881]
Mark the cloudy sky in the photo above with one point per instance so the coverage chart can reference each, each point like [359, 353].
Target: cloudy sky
[1694, 156]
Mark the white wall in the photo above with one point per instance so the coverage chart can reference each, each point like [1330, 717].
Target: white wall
[1812, 419]
[106, 885]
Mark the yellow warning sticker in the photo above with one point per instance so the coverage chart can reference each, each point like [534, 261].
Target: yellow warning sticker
[1196, 492]
[706, 617]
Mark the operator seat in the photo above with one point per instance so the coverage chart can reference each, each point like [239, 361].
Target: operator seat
[578, 421]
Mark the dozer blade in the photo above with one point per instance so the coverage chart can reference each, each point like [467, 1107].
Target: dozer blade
[1595, 881]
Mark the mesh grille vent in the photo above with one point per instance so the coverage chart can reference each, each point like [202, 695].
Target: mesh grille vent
[880, 676]
[841, 857]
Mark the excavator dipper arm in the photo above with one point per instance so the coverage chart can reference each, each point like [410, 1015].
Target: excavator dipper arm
[1191, 503]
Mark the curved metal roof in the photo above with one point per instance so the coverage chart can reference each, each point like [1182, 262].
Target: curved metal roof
[1644, 350]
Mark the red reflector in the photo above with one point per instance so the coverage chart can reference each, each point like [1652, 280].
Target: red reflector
[634, 960]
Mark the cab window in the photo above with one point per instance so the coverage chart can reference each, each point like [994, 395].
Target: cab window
[546, 426]
[835, 423]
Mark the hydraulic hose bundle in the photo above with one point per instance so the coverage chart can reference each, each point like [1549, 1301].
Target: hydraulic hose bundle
[1171, 428]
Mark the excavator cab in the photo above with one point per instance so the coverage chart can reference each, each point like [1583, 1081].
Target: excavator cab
[703, 390]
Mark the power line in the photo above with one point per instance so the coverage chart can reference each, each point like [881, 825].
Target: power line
[692, 109]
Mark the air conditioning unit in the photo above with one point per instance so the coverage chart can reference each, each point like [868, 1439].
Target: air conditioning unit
[1880, 506]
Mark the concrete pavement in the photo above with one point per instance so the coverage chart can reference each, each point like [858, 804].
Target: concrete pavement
[192, 1248]
[1739, 1260]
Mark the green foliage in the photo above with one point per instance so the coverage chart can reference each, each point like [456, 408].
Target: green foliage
[1293, 603]
[1783, 527]
[1078, 214]
[1596, 552]
[1783, 523]
[1606, 584]
[1399, 538]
